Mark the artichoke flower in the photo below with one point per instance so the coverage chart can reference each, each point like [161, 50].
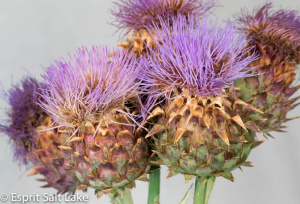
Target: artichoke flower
[94, 96]
[135, 16]
[199, 124]
[275, 36]
[35, 137]
[184, 92]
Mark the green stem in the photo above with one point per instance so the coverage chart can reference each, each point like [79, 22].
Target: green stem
[199, 194]
[127, 197]
[202, 194]
[210, 184]
[117, 199]
[114, 198]
[154, 187]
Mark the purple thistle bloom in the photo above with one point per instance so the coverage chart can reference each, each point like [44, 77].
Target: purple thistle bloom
[24, 114]
[278, 29]
[91, 85]
[139, 14]
[199, 57]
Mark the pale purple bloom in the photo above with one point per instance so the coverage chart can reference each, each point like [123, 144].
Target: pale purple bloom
[279, 29]
[200, 57]
[90, 85]
[22, 117]
[139, 14]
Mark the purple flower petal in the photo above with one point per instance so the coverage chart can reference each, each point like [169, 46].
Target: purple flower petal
[200, 57]
[278, 29]
[90, 85]
[139, 14]
[22, 116]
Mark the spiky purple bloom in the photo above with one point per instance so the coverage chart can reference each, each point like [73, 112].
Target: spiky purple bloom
[139, 14]
[22, 116]
[200, 57]
[90, 85]
[278, 29]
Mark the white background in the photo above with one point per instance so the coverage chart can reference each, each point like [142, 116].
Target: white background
[33, 33]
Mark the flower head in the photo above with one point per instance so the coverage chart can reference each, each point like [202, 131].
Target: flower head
[278, 29]
[139, 14]
[199, 57]
[22, 116]
[91, 85]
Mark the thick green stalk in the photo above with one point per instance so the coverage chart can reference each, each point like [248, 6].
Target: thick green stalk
[154, 187]
[202, 194]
